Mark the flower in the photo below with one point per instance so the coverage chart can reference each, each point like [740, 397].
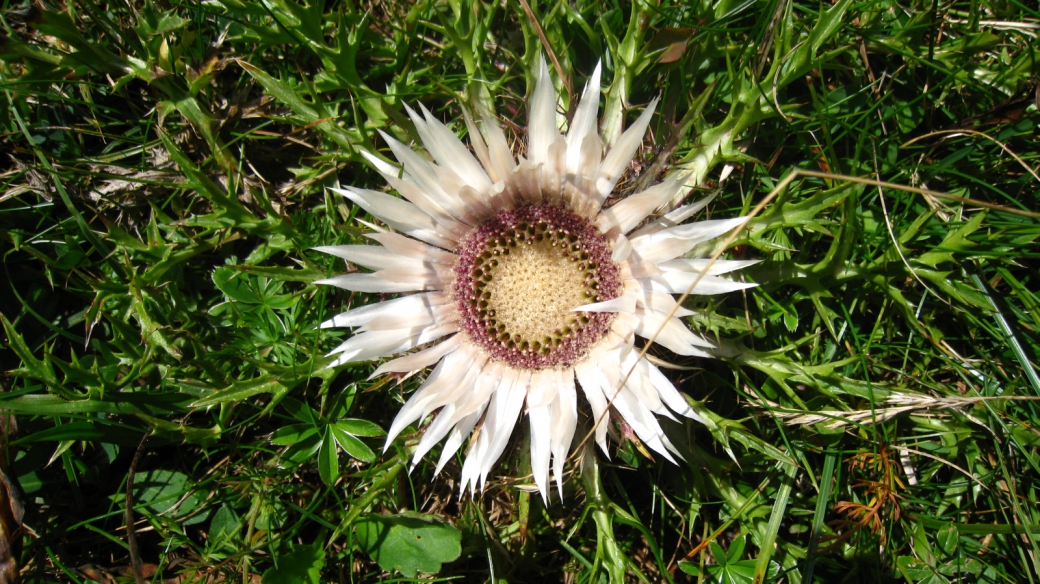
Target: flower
[522, 288]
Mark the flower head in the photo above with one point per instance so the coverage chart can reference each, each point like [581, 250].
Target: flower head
[522, 289]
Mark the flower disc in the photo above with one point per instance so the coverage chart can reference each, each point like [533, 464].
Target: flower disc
[521, 275]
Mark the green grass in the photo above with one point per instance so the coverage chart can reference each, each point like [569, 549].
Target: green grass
[166, 166]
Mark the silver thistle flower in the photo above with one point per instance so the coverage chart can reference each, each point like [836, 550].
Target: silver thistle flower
[522, 288]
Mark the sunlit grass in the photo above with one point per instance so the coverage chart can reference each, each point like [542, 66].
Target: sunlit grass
[166, 175]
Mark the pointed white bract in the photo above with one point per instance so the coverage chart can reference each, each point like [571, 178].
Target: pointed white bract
[459, 207]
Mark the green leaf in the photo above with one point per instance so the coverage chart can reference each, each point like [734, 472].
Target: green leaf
[30, 482]
[955, 242]
[276, 380]
[918, 572]
[829, 22]
[31, 367]
[228, 208]
[313, 113]
[719, 553]
[352, 445]
[164, 23]
[242, 390]
[328, 460]
[120, 403]
[234, 285]
[360, 428]
[410, 543]
[302, 565]
[1026, 436]
[922, 547]
[61, 26]
[690, 568]
[292, 434]
[736, 550]
[161, 490]
[947, 539]
[742, 572]
[225, 524]
[754, 442]
[283, 274]
[84, 431]
[304, 449]
[300, 411]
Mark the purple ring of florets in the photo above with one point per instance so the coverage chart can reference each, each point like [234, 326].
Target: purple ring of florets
[579, 240]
